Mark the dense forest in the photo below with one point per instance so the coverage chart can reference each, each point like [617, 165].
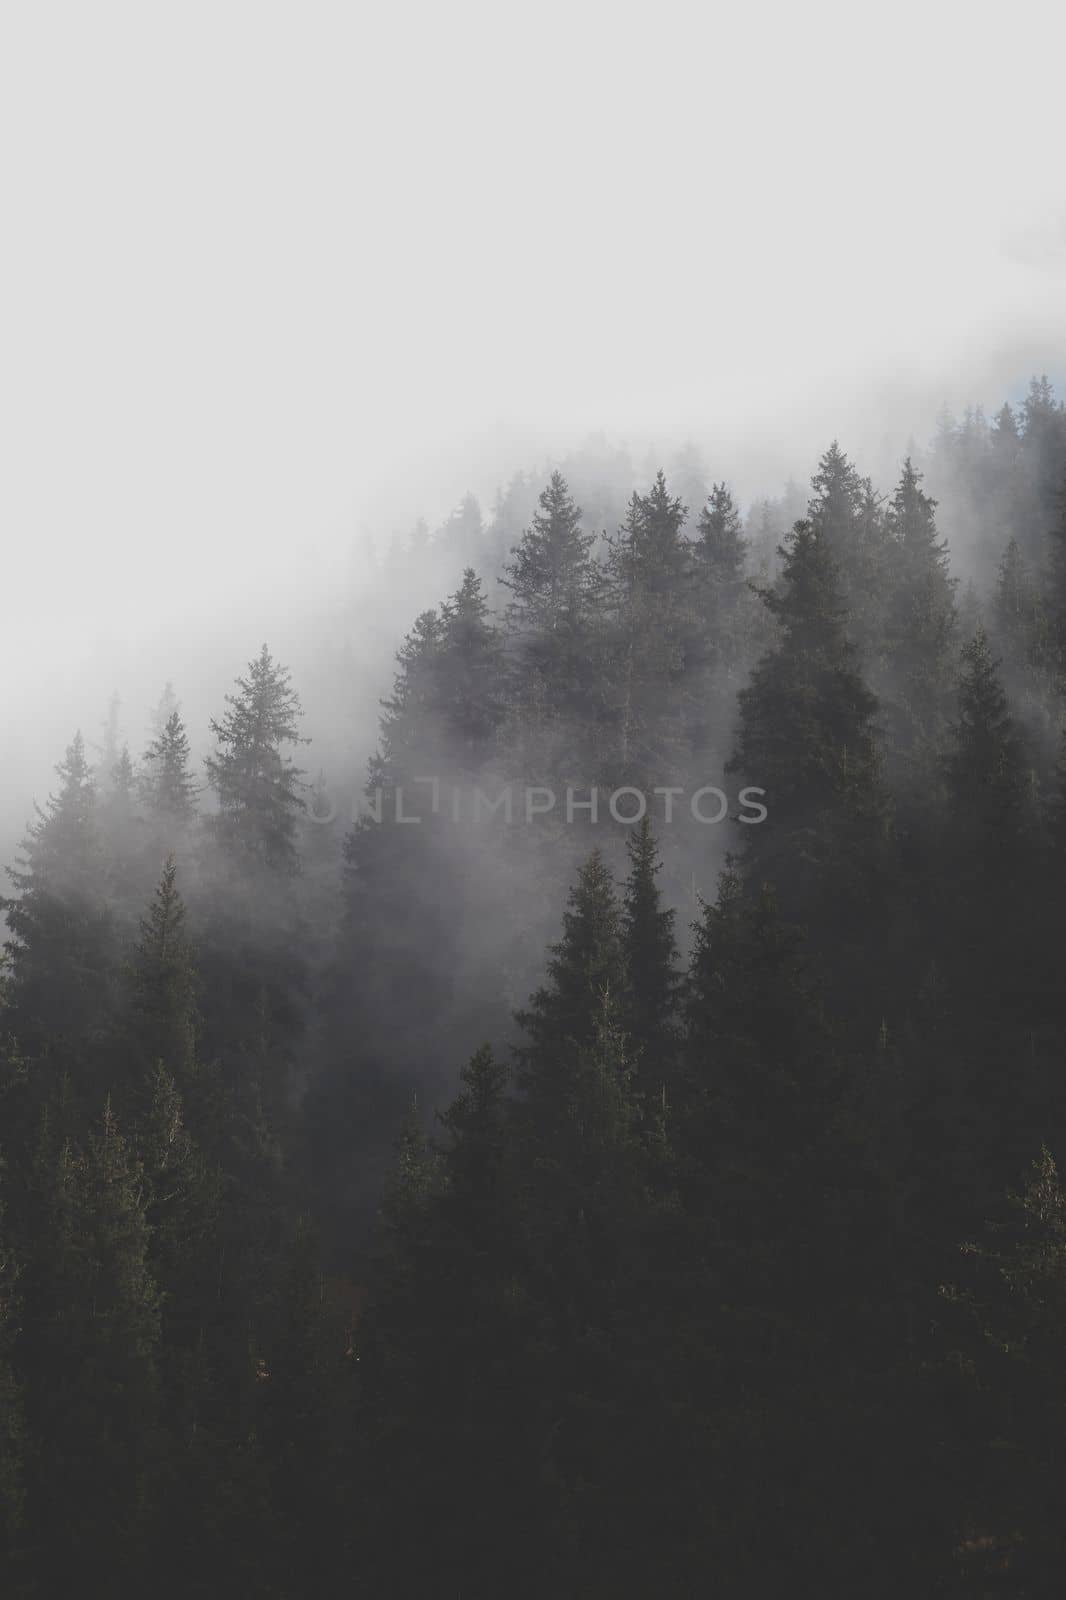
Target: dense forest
[490, 1198]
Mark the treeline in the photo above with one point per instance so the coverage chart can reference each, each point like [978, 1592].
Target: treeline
[738, 1259]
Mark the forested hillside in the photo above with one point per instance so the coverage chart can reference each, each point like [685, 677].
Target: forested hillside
[620, 1161]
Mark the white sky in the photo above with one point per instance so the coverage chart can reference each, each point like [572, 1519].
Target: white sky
[273, 272]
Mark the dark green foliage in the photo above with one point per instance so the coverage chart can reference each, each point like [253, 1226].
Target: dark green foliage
[585, 967]
[89, 1350]
[919, 631]
[655, 1310]
[650, 955]
[1013, 1293]
[989, 782]
[806, 737]
[12, 1435]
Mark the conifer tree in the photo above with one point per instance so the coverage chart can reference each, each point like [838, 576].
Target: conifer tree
[1014, 607]
[305, 1406]
[58, 955]
[168, 789]
[257, 783]
[650, 576]
[1055, 593]
[919, 627]
[470, 671]
[410, 735]
[452, 1299]
[988, 779]
[551, 575]
[586, 964]
[806, 737]
[760, 1074]
[719, 636]
[985, 879]
[92, 1331]
[650, 953]
[12, 1433]
[165, 1017]
[720, 553]
[1013, 1301]
[845, 513]
[555, 588]
[1023, 634]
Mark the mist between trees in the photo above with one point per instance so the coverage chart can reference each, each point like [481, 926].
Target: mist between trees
[734, 1254]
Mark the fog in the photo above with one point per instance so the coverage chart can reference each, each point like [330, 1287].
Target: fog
[280, 282]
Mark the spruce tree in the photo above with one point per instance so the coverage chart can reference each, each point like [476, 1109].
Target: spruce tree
[846, 514]
[721, 628]
[551, 576]
[806, 737]
[1009, 1296]
[164, 1012]
[920, 632]
[256, 781]
[470, 672]
[651, 578]
[650, 954]
[92, 1332]
[58, 956]
[12, 1431]
[167, 786]
[989, 782]
[586, 964]
[720, 553]
[556, 587]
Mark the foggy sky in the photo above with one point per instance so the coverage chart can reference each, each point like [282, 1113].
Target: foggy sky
[279, 275]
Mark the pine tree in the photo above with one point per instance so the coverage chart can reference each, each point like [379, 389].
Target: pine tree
[782, 1204]
[164, 979]
[167, 786]
[451, 1298]
[987, 775]
[650, 955]
[92, 1331]
[1014, 607]
[586, 964]
[651, 577]
[411, 738]
[470, 671]
[1055, 594]
[257, 783]
[806, 738]
[722, 626]
[12, 1433]
[1011, 1327]
[58, 955]
[920, 629]
[556, 586]
[720, 553]
[995, 952]
[552, 577]
[845, 513]
[304, 1410]
[760, 1072]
